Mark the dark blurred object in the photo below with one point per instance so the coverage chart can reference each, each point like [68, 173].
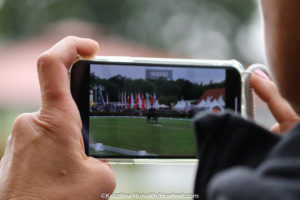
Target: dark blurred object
[225, 141]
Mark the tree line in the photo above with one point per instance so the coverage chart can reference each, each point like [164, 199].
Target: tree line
[166, 91]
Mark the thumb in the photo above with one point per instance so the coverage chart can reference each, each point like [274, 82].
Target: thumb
[53, 69]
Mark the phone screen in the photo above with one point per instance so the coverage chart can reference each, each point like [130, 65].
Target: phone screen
[146, 111]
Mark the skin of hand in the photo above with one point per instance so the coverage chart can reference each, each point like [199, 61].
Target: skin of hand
[279, 107]
[44, 156]
[282, 30]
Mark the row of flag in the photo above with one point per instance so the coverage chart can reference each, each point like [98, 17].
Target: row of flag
[132, 100]
[138, 100]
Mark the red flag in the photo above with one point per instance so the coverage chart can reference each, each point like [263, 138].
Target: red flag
[128, 101]
[143, 101]
[151, 100]
[136, 100]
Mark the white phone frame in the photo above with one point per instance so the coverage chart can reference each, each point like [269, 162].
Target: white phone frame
[176, 61]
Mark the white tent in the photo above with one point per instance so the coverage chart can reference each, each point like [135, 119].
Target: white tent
[208, 102]
[202, 104]
[221, 101]
[180, 105]
[208, 99]
[214, 103]
[163, 106]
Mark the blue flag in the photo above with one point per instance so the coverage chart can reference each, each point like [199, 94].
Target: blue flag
[101, 99]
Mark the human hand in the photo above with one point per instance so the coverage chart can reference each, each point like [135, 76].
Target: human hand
[279, 107]
[44, 156]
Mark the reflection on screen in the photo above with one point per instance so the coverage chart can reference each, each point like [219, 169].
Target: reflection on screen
[147, 111]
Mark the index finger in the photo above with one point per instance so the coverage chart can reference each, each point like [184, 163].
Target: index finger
[267, 91]
[53, 68]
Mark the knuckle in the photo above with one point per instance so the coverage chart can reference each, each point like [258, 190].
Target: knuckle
[21, 123]
[24, 134]
[45, 59]
[71, 38]
[21, 119]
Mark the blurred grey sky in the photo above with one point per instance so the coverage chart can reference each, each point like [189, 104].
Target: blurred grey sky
[194, 75]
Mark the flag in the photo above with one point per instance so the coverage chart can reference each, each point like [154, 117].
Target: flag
[95, 95]
[128, 101]
[91, 96]
[147, 100]
[125, 98]
[151, 100]
[156, 104]
[122, 98]
[143, 101]
[107, 102]
[140, 100]
[132, 101]
[136, 100]
[100, 100]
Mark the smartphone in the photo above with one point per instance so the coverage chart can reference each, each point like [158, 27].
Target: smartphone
[137, 108]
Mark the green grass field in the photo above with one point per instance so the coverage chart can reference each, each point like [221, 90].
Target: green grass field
[168, 137]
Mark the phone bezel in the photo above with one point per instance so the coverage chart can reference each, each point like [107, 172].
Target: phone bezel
[80, 73]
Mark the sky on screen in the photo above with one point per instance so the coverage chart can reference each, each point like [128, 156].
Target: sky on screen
[194, 75]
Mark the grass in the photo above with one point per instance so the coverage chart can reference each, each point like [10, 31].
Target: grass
[168, 137]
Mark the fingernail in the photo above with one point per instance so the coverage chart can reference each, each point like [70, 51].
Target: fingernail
[261, 74]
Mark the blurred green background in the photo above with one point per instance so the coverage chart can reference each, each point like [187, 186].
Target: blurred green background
[205, 29]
